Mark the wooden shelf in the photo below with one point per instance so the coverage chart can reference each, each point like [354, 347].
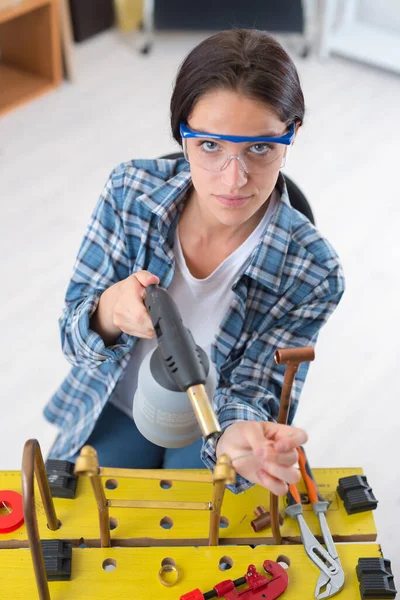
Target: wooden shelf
[18, 87]
[16, 8]
[30, 46]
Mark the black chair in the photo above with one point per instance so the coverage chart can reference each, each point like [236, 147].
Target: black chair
[296, 196]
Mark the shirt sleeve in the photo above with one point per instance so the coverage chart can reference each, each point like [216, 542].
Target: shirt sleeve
[254, 389]
[102, 261]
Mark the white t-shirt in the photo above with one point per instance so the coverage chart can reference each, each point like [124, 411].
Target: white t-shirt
[202, 303]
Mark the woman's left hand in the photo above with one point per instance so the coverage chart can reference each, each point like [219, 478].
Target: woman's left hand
[271, 450]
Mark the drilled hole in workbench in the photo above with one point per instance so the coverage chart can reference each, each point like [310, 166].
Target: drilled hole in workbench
[113, 523]
[168, 573]
[111, 484]
[165, 484]
[59, 525]
[5, 508]
[166, 523]
[224, 522]
[168, 561]
[283, 560]
[109, 564]
[225, 563]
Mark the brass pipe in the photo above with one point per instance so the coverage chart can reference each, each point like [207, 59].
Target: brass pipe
[224, 474]
[158, 504]
[32, 463]
[156, 474]
[88, 464]
[203, 410]
[292, 357]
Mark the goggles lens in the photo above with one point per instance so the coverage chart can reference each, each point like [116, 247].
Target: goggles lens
[210, 155]
[213, 152]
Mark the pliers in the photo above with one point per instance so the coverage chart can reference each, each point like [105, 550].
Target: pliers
[331, 578]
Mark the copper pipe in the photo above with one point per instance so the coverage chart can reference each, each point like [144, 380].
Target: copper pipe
[224, 474]
[87, 464]
[32, 463]
[292, 357]
[263, 519]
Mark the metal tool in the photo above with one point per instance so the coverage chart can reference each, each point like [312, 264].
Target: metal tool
[331, 578]
[258, 587]
[177, 363]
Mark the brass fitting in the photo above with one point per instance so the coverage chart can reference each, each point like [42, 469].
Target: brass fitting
[224, 470]
[87, 462]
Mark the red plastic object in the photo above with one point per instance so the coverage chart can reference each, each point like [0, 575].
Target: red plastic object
[193, 595]
[259, 586]
[15, 518]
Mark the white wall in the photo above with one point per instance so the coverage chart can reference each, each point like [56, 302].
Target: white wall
[385, 13]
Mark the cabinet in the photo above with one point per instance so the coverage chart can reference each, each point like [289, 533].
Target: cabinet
[30, 51]
[90, 17]
[344, 33]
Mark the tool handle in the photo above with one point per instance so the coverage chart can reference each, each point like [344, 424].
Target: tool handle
[308, 477]
[218, 591]
[225, 589]
[293, 496]
[181, 358]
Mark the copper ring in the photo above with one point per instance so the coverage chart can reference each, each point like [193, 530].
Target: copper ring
[168, 568]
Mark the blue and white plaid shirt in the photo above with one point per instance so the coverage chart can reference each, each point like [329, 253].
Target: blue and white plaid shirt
[290, 285]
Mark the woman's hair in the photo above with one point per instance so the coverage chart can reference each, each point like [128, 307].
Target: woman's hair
[248, 61]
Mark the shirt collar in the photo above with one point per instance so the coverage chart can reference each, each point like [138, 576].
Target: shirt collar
[165, 200]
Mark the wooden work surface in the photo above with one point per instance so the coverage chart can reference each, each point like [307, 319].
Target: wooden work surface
[136, 571]
[143, 526]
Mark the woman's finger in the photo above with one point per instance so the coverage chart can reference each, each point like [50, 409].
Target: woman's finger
[287, 440]
[288, 459]
[145, 278]
[254, 433]
[287, 474]
[130, 313]
[277, 486]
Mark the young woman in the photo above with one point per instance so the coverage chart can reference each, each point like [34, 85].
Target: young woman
[248, 272]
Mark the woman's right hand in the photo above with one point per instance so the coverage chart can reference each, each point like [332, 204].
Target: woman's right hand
[121, 309]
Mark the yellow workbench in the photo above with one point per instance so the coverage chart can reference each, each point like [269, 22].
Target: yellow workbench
[144, 527]
[141, 543]
[136, 571]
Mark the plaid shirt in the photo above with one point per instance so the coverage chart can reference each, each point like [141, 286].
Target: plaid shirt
[290, 285]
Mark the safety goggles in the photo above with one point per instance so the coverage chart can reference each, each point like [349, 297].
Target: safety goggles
[208, 151]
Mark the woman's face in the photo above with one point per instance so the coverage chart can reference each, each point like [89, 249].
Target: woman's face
[231, 197]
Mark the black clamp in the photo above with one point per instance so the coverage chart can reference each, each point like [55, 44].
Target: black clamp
[376, 578]
[356, 494]
[61, 478]
[57, 556]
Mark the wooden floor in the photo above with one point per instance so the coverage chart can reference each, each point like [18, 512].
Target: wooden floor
[55, 155]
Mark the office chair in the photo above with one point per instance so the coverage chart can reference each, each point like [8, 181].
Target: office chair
[296, 196]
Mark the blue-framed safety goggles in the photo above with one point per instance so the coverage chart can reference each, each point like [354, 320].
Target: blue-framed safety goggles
[259, 153]
[287, 138]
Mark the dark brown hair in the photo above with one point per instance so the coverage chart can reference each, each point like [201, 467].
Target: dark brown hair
[245, 60]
